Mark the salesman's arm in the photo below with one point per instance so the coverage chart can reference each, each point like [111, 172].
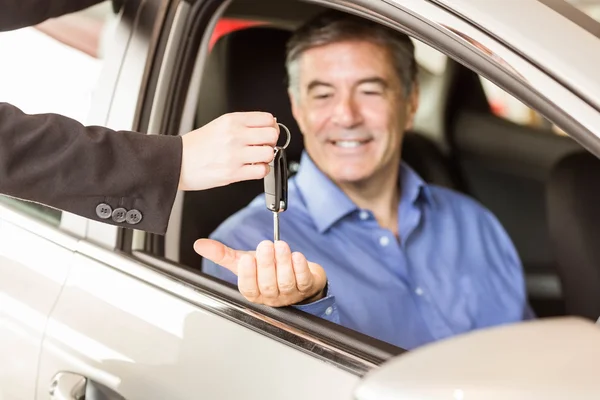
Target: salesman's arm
[89, 171]
[15, 14]
[127, 178]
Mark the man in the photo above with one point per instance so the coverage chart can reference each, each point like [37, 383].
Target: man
[403, 261]
[119, 177]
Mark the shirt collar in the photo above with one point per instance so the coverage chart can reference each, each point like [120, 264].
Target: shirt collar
[327, 203]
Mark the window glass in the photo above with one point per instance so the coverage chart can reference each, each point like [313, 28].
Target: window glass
[53, 67]
[508, 107]
[364, 257]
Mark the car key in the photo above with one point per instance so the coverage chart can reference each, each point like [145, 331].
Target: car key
[276, 185]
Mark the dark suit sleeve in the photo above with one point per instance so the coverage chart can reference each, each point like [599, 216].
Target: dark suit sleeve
[15, 14]
[56, 161]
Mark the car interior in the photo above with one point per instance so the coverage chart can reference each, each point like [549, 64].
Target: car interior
[533, 179]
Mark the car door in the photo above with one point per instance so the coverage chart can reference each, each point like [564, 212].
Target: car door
[131, 324]
[35, 257]
[125, 326]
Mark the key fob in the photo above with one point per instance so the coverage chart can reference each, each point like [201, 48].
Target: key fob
[276, 182]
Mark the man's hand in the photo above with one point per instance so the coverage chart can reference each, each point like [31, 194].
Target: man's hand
[234, 147]
[272, 275]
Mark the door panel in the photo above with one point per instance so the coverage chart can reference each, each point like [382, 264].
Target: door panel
[145, 343]
[32, 271]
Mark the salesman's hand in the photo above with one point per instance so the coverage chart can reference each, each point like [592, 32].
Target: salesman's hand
[272, 275]
[234, 147]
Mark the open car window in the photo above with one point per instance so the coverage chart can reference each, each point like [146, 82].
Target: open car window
[471, 137]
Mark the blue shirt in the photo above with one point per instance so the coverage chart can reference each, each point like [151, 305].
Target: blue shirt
[454, 269]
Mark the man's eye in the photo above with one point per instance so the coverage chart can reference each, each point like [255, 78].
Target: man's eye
[322, 95]
[372, 92]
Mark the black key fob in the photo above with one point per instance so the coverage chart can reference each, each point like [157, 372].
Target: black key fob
[276, 188]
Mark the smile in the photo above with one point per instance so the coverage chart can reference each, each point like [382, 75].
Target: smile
[349, 144]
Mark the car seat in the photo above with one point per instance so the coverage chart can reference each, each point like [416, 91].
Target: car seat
[573, 196]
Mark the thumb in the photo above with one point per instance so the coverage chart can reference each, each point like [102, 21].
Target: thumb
[220, 254]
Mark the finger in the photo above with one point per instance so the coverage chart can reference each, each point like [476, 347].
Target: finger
[304, 278]
[249, 172]
[267, 136]
[265, 269]
[219, 253]
[256, 119]
[286, 280]
[247, 283]
[257, 155]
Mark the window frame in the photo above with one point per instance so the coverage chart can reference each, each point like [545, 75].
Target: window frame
[179, 107]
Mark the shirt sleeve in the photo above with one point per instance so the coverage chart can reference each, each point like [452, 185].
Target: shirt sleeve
[325, 308]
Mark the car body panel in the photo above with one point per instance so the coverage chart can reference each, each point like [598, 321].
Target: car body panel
[145, 343]
[491, 365]
[32, 270]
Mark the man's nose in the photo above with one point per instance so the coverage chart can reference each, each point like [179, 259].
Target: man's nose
[346, 112]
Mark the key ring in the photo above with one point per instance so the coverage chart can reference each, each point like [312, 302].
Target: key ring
[289, 135]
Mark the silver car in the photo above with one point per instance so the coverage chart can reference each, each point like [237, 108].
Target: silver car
[509, 89]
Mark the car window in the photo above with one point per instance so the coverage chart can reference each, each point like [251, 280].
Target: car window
[53, 67]
[496, 164]
[506, 106]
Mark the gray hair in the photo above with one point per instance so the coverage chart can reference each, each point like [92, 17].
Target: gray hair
[335, 26]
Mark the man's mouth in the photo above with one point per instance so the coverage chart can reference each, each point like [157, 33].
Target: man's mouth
[350, 144]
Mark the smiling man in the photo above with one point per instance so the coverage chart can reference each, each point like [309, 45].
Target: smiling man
[402, 261]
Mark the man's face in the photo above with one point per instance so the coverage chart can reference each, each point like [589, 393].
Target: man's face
[351, 110]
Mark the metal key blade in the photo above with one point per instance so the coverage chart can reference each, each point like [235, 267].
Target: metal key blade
[275, 226]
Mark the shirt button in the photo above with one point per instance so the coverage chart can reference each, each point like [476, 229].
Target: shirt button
[419, 291]
[384, 240]
[329, 311]
[363, 215]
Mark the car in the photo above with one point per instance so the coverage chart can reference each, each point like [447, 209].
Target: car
[510, 115]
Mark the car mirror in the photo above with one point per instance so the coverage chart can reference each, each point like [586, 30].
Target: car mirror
[556, 358]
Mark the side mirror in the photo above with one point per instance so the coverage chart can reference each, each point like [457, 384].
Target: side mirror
[556, 358]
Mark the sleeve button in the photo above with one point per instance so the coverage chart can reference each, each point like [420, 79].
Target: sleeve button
[118, 215]
[103, 211]
[133, 217]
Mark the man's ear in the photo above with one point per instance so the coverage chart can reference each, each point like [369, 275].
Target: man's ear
[412, 105]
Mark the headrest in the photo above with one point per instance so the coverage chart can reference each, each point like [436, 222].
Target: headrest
[256, 78]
